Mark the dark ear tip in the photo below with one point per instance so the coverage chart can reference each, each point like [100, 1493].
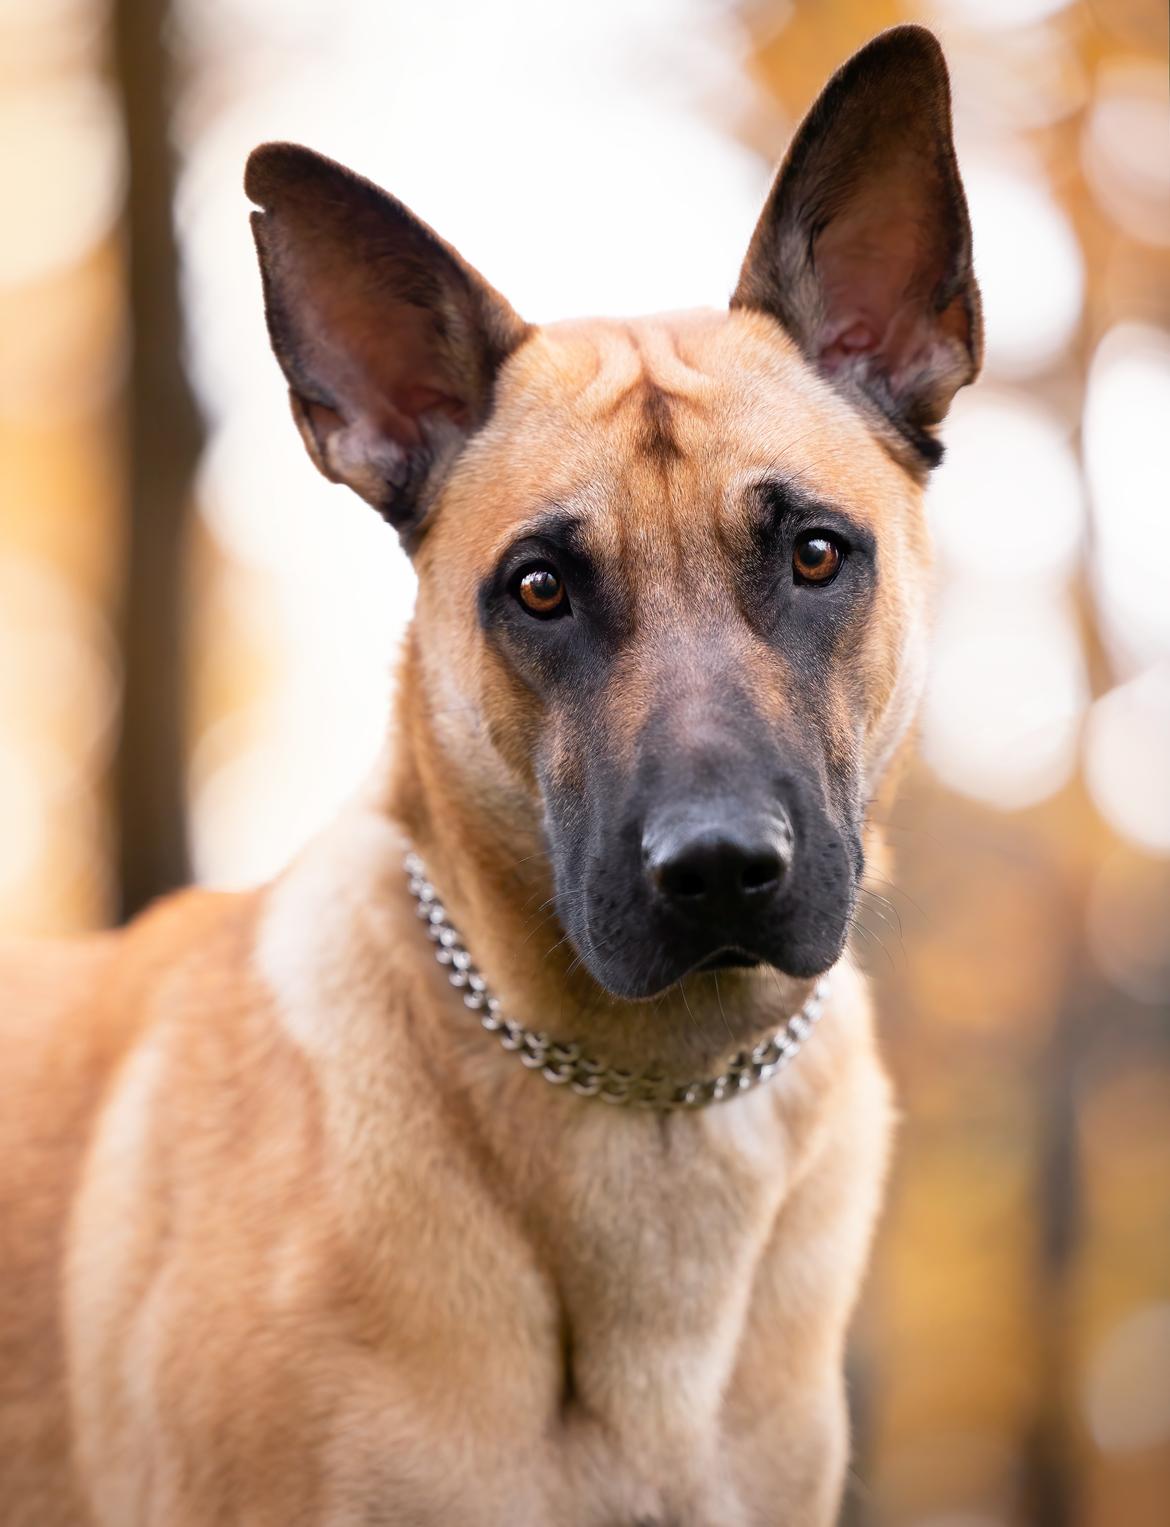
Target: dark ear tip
[907, 44]
[276, 167]
[908, 37]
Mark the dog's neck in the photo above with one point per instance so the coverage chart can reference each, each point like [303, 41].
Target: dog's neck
[358, 991]
[487, 856]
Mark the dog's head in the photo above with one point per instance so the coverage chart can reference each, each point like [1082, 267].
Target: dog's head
[671, 572]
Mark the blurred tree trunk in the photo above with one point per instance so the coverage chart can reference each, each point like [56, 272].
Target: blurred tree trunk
[163, 438]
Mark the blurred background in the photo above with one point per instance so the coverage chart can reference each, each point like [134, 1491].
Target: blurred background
[196, 631]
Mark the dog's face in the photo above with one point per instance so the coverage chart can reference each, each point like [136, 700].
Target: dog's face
[684, 610]
[671, 573]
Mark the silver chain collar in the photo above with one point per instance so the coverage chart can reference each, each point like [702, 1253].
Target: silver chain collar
[564, 1063]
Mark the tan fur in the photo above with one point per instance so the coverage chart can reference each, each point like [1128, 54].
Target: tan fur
[287, 1239]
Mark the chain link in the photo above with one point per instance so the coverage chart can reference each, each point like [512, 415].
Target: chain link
[565, 1066]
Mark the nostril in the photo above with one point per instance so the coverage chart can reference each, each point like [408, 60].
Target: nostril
[682, 880]
[717, 868]
[760, 872]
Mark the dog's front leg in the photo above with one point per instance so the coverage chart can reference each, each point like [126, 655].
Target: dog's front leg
[813, 1448]
[787, 1417]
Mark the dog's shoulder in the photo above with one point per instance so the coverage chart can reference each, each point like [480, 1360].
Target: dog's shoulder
[97, 983]
[72, 1010]
[72, 1014]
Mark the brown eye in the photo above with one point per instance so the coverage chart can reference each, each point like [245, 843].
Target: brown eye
[816, 557]
[541, 591]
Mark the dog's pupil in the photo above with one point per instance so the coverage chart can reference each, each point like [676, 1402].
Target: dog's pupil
[815, 555]
[541, 587]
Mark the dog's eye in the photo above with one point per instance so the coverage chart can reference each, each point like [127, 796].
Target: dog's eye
[541, 590]
[817, 557]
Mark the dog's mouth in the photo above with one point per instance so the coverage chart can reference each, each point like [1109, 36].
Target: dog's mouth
[639, 932]
[729, 958]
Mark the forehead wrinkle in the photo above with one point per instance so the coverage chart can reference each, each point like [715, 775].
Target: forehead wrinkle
[640, 357]
[662, 344]
[619, 368]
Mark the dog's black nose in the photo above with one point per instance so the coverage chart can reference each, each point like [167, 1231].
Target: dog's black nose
[716, 866]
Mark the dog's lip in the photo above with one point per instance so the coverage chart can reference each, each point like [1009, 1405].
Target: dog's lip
[728, 957]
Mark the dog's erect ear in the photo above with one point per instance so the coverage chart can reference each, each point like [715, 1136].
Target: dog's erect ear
[863, 250]
[389, 341]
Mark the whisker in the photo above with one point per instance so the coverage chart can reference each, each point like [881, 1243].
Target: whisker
[868, 933]
[897, 890]
[879, 905]
[682, 986]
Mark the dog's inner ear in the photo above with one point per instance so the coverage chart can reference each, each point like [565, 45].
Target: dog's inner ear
[863, 250]
[389, 341]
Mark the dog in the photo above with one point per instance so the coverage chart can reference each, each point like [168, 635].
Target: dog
[487, 1167]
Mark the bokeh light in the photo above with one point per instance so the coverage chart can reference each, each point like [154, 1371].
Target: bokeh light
[1007, 504]
[1127, 758]
[1127, 918]
[65, 195]
[58, 674]
[1127, 457]
[1031, 271]
[1001, 13]
[1003, 706]
[1124, 150]
[1127, 1387]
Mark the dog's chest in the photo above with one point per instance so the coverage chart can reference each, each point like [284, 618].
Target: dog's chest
[654, 1247]
[599, 1400]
